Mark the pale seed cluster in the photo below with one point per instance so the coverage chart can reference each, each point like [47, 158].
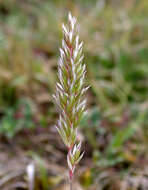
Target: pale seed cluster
[70, 90]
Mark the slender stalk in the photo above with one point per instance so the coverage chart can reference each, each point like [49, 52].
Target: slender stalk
[70, 184]
[70, 92]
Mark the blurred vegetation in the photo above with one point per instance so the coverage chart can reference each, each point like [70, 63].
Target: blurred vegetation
[115, 131]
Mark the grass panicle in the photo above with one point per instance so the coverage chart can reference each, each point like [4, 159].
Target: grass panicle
[70, 90]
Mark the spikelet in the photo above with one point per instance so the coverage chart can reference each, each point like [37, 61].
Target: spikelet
[70, 90]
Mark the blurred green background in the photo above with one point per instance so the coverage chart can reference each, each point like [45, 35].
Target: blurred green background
[115, 131]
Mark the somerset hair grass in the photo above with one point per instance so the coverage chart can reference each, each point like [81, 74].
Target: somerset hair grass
[70, 91]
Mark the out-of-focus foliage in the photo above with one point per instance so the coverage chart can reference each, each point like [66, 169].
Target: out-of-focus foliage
[17, 118]
[115, 36]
